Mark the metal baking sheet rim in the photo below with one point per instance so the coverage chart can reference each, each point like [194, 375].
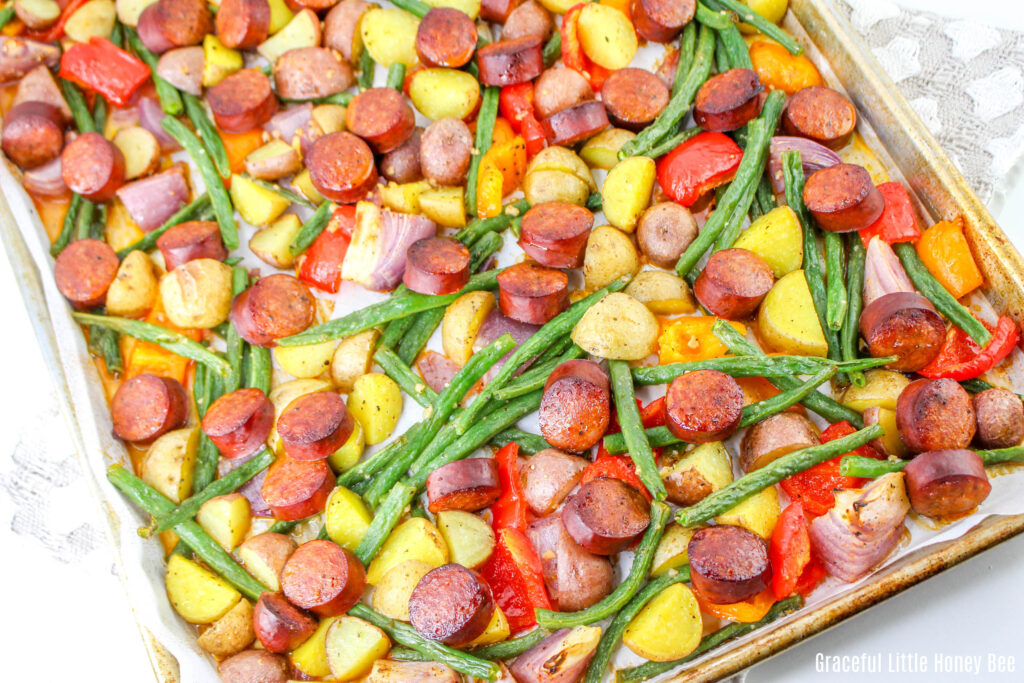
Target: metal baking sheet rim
[943, 193]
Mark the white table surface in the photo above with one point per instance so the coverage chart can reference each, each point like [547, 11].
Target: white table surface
[72, 616]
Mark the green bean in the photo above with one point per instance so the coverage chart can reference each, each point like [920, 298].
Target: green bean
[552, 49]
[396, 76]
[170, 98]
[765, 195]
[594, 202]
[208, 550]
[282, 192]
[404, 634]
[506, 649]
[484, 130]
[67, 230]
[649, 670]
[613, 632]
[869, 468]
[835, 287]
[312, 228]
[556, 350]
[657, 437]
[98, 229]
[207, 458]
[711, 18]
[207, 133]
[172, 341]
[394, 331]
[99, 113]
[232, 339]
[479, 227]
[84, 219]
[750, 484]
[687, 45]
[625, 591]
[735, 47]
[79, 109]
[197, 209]
[849, 336]
[417, 337]
[367, 67]
[219, 198]
[483, 249]
[721, 56]
[404, 377]
[384, 519]
[106, 344]
[284, 527]
[528, 443]
[537, 375]
[261, 368]
[766, 27]
[944, 302]
[632, 429]
[416, 7]
[669, 144]
[117, 34]
[6, 15]
[370, 466]
[752, 366]
[342, 98]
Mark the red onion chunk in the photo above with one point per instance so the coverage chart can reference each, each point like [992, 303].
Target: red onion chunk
[495, 326]
[182, 67]
[562, 657]
[376, 256]
[46, 180]
[813, 156]
[151, 201]
[883, 272]
[150, 116]
[252, 489]
[294, 122]
[437, 370]
[18, 56]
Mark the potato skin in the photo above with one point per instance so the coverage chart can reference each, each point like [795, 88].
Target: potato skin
[230, 634]
[352, 359]
[135, 287]
[264, 556]
[197, 293]
[609, 254]
[617, 327]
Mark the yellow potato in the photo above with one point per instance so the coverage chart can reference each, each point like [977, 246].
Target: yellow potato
[461, 323]
[280, 15]
[197, 293]
[303, 182]
[272, 244]
[772, 10]
[226, 518]
[122, 231]
[497, 630]
[94, 19]
[134, 290]
[698, 473]
[404, 198]
[352, 359]
[565, 160]
[257, 205]
[671, 552]
[602, 150]
[627, 189]
[414, 539]
[282, 395]
[264, 556]
[787, 320]
[350, 452]
[390, 36]
[470, 7]
[353, 645]
[444, 93]
[302, 30]
[558, 6]
[346, 518]
[305, 361]
[445, 206]
[607, 36]
[169, 463]
[663, 293]
[273, 161]
[391, 596]
[311, 657]
[617, 327]
[219, 61]
[376, 403]
[777, 239]
[329, 117]
[554, 186]
[469, 538]
[668, 627]
[757, 513]
[882, 388]
[197, 594]
[892, 440]
[609, 255]
[140, 149]
[230, 634]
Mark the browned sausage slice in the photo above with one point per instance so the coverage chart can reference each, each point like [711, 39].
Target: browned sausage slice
[436, 265]
[147, 406]
[243, 24]
[935, 415]
[575, 577]
[576, 406]
[905, 325]
[402, 164]
[842, 198]
[451, 604]
[508, 62]
[84, 272]
[314, 425]
[497, 11]
[276, 306]
[445, 151]
[183, 22]
[1000, 415]
[310, 72]
[242, 101]
[576, 123]
[341, 167]
[281, 626]
[529, 19]
[773, 438]
[555, 234]
[548, 477]
[468, 485]
[606, 515]
[33, 134]
[946, 483]
[189, 241]
[254, 665]
[728, 101]
[559, 88]
[633, 98]
[733, 283]
[703, 406]
[341, 28]
[295, 489]
[728, 563]
[238, 422]
[661, 20]
[323, 577]
[664, 231]
[446, 37]
[820, 114]
[531, 293]
[382, 117]
[93, 167]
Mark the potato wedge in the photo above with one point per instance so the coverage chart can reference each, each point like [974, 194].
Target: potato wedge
[376, 403]
[669, 627]
[698, 473]
[445, 206]
[197, 293]
[94, 19]
[220, 61]
[128, 11]
[346, 518]
[602, 150]
[469, 538]
[389, 671]
[273, 161]
[444, 93]
[140, 149]
[564, 160]
[134, 290]
[197, 594]
[330, 118]
[627, 191]
[672, 549]
[282, 395]
[391, 596]
[302, 30]
[461, 323]
[787, 319]
[554, 186]
[352, 359]
[607, 36]
[226, 518]
[350, 452]
[353, 645]
[882, 388]
[663, 293]
[404, 197]
[757, 513]
[169, 463]
[390, 36]
[280, 15]
[617, 327]
[776, 238]
[305, 362]
[272, 244]
[414, 539]
[497, 630]
[231, 633]
[264, 555]
[610, 254]
[311, 657]
[257, 205]
[303, 182]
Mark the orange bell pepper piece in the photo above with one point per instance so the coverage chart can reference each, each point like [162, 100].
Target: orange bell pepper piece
[745, 612]
[489, 191]
[143, 356]
[944, 250]
[502, 132]
[688, 339]
[240, 145]
[779, 70]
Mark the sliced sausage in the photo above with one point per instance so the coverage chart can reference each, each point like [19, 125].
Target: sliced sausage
[254, 666]
[341, 28]
[239, 422]
[183, 22]
[508, 62]
[703, 406]
[559, 88]
[528, 20]
[276, 306]
[468, 485]
[945, 483]
[664, 231]
[146, 406]
[548, 477]
[296, 489]
[242, 101]
[905, 325]
[33, 134]
[436, 265]
[310, 72]
[382, 117]
[314, 425]
[733, 283]
[728, 101]
[728, 563]
[341, 167]
[820, 114]
[554, 234]
[497, 11]
[842, 198]
[446, 37]
[314, 5]
[243, 24]
[281, 626]
[606, 515]
[84, 272]
[151, 32]
[1000, 415]
[935, 415]
[191, 240]
[661, 20]
[323, 577]
[93, 167]
[451, 604]
[576, 407]
[575, 577]
[775, 437]
[577, 123]
[531, 293]
[402, 164]
[445, 151]
[633, 98]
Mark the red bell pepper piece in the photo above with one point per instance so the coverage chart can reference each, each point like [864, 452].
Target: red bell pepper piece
[514, 575]
[961, 358]
[814, 487]
[898, 222]
[790, 554]
[516, 104]
[101, 66]
[619, 467]
[572, 50]
[321, 268]
[702, 163]
[653, 414]
[510, 510]
[48, 35]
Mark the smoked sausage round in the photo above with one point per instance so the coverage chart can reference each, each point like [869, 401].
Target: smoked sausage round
[509, 62]
[341, 167]
[323, 577]
[661, 20]
[276, 306]
[554, 234]
[242, 101]
[606, 515]
[843, 198]
[820, 114]
[576, 406]
[295, 489]
[548, 477]
[436, 265]
[703, 406]
[577, 123]
[93, 167]
[243, 24]
[728, 563]
[183, 22]
[33, 134]
[451, 604]
[189, 241]
[733, 283]
[446, 37]
[934, 415]
[239, 422]
[468, 485]
[529, 19]
[905, 325]
[559, 88]
[633, 98]
[84, 272]
[307, 73]
[728, 101]
[947, 482]
[314, 425]
[531, 293]
[146, 406]
[381, 117]
[280, 626]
